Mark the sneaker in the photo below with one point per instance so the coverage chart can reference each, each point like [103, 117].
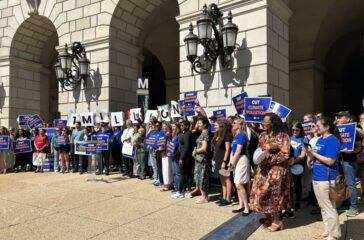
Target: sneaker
[352, 212]
[225, 204]
[289, 213]
[221, 200]
[177, 195]
[157, 183]
[188, 195]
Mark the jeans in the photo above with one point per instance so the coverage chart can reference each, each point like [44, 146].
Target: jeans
[176, 172]
[6, 158]
[350, 170]
[56, 159]
[297, 181]
[153, 162]
[75, 162]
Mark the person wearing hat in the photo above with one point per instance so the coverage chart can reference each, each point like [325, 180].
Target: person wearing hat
[76, 134]
[350, 164]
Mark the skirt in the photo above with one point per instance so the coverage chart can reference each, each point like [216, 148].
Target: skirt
[242, 171]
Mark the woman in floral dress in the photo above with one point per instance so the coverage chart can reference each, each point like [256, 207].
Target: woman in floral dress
[271, 187]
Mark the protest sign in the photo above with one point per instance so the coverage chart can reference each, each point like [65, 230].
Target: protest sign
[175, 109]
[149, 114]
[34, 121]
[150, 141]
[117, 119]
[4, 142]
[279, 109]
[102, 142]
[161, 142]
[90, 148]
[134, 114]
[60, 140]
[85, 148]
[50, 132]
[87, 119]
[219, 114]
[189, 103]
[307, 128]
[238, 101]
[170, 148]
[181, 104]
[72, 119]
[22, 146]
[255, 108]
[59, 123]
[128, 150]
[23, 120]
[101, 116]
[212, 128]
[164, 112]
[348, 134]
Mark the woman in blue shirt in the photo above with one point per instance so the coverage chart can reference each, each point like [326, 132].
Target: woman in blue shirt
[116, 148]
[297, 143]
[324, 161]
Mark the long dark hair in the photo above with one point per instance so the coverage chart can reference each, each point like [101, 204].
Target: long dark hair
[327, 122]
[276, 122]
[223, 131]
[298, 125]
[204, 121]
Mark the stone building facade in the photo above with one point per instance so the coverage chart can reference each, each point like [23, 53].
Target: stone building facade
[127, 39]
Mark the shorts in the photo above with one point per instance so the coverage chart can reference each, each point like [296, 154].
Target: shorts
[242, 171]
[64, 148]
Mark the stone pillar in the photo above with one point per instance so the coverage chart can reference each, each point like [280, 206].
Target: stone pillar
[260, 63]
[307, 94]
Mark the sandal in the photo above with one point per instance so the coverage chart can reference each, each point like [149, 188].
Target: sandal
[275, 227]
[165, 189]
[201, 201]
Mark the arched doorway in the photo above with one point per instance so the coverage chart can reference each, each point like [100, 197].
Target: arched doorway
[144, 40]
[33, 86]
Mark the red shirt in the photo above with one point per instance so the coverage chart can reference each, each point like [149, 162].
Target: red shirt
[40, 141]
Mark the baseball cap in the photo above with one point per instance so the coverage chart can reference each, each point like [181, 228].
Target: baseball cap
[343, 114]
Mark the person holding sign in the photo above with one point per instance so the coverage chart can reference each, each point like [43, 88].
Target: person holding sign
[76, 133]
[55, 148]
[85, 137]
[22, 160]
[324, 159]
[4, 153]
[200, 154]
[126, 137]
[350, 164]
[174, 154]
[64, 150]
[141, 152]
[103, 155]
[270, 193]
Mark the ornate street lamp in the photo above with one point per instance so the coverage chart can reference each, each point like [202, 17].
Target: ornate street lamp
[73, 67]
[222, 46]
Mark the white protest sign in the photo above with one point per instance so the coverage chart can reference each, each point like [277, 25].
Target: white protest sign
[149, 114]
[164, 112]
[87, 119]
[101, 116]
[134, 114]
[175, 109]
[117, 119]
[72, 119]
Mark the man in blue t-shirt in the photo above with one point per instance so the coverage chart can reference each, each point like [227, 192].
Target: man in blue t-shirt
[103, 156]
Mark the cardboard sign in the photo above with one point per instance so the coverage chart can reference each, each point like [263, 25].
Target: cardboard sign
[87, 119]
[348, 134]
[175, 109]
[279, 109]
[238, 101]
[307, 128]
[4, 142]
[22, 146]
[101, 116]
[164, 112]
[134, 114]
[117, 119]
[34, 121]
[255, 108]
[149, 114]
[72, 119]
[23, 120]
[102, 142]
[189, 103]
[59, 123]
[219, 114]
[85, 148]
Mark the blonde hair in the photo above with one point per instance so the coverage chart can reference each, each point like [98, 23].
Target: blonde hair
[242, 125]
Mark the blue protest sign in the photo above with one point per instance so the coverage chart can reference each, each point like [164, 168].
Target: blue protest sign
[170, 148]
[23, 120]
[255, 108]
[90, 148]
[220, 114]
[212, 128]
[279, 109]
[348, 134]
[161, 142]
[85, 148]
[22, 146]
[189, 103]
[60, 140]
[4, 142]
[238, 101]
[34, 121]
[102, 142]
[50, 132]
[150, 141]
[59, 123]
[307, 128]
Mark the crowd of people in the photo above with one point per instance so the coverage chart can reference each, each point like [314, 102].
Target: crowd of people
[271, 182]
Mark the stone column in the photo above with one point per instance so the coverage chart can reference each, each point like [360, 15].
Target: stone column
[260, 63]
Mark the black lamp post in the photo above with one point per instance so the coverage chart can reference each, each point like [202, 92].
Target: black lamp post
[222, 46]
[73, 67]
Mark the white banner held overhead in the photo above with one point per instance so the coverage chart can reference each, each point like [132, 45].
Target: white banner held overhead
[149, 114]
[87, 119]
[164, 112]
[175, 109]
[117, 119]
[134, 114]
[72, 119]
[101, 116]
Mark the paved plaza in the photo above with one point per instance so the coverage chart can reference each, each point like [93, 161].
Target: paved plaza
[72, 206]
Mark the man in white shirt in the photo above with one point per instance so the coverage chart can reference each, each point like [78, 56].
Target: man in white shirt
[126, 137]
